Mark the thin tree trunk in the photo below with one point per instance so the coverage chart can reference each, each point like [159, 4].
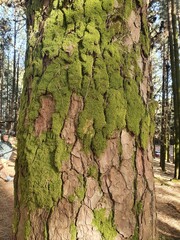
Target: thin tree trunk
[163, 118]
[17, 95]
[177, 89]
[7, 88]
[14, 72]
[178, 14]
[168, 110]
[1, 79]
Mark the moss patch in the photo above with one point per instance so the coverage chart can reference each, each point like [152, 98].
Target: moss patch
[43, 183]
[104, 223]
[144, 132]
[135, 107]
[73, 231]
[136, 234]
[115, 111]
[93, 172]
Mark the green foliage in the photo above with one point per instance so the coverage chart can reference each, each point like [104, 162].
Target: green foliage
[104, 223]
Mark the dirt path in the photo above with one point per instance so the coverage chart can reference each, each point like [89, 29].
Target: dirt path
[167, 202]
[6, 206]
[167, 196]
[6, 210]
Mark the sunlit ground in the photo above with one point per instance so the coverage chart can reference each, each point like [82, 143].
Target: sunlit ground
[168, 201]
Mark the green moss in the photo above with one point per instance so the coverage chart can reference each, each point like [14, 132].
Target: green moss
[152, 108]
[136, 234]
[113, 60]
[128, 7]
[91, 40]
[94, 11]
[37, 67]
[138, 207]
[145, 128]
[71, 198]
[79, 192]
[115, 111]
[33, 108]
[87, 65]
[98, 143]
[51, 43]
[107, 5]
[145, 38]
[135, 107]
[27, 230]
[55, 3]
[61, 153]
[75, 75]
[42, 187]
[104, 223]
[80, 29]
[73, 231]
[130, 65]
[91, 122]
[101, 77]
[93, 171]
[15, 220]
[145, 44]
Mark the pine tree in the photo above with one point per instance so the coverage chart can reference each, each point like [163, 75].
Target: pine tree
[84, 167]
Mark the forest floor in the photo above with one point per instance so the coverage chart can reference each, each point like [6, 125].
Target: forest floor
[167, 202]
[167, 198]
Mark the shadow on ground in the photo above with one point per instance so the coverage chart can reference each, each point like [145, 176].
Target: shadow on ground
[167, 202]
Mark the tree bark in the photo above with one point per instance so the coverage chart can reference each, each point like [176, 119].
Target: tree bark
[163, 149]
[175, 71]
[84, 167]
[177, 89]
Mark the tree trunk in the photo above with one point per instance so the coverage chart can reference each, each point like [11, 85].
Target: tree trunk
[163, 114]
[176, 88]
[84, 167]
[177, 72]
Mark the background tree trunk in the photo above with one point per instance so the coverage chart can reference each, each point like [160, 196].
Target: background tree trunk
[177, 87]
[174, 56]
[84, 167]
[163, 150]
